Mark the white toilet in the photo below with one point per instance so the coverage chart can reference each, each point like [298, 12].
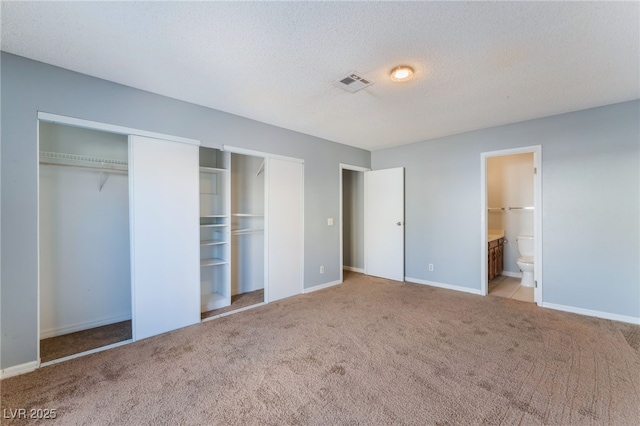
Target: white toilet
[525, 261]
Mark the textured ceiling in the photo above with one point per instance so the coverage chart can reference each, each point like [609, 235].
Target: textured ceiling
[477, 64]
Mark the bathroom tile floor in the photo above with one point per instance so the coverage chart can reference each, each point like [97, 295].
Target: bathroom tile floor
[509, 287]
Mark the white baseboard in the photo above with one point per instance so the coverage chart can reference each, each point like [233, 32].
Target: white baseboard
[352, 269]
[19, 369]
[442, 285]
[59, 331]
[321, 286]
[592, 313]
[511, 274]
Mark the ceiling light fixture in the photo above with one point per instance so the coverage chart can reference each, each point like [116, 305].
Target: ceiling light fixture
[402, 73]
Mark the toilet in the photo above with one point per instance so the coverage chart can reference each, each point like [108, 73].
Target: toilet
[525, 261]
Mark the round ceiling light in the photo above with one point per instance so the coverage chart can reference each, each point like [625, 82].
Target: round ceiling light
[402, 73]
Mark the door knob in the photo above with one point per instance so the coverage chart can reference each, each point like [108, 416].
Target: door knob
[399, 223]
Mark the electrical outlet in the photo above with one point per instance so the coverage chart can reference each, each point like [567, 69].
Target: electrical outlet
[330, 221]
[322, 269]
[431, 266]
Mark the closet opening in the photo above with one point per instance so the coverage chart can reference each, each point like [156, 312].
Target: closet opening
[84, 242]
[352, 219]
[232, 208]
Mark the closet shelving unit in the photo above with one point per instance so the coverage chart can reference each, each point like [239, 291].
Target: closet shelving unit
[214, 230]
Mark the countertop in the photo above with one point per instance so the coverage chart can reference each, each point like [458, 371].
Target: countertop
[494, 234]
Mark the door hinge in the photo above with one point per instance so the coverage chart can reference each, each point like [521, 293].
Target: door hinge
[535, 170]
[535, 284]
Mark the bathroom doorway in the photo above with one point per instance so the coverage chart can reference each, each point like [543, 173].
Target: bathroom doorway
[511, 224]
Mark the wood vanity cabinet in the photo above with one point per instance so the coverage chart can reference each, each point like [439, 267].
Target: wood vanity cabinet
[496, 258]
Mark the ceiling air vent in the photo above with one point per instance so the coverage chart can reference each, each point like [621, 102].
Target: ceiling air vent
[352, 82]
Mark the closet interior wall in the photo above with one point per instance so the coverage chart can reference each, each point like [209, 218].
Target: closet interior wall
[353, 220]
[85, 274]
[247, 223]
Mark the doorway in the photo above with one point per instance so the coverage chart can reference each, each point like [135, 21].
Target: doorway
[511, 224]
[351, 219]
[381, 245]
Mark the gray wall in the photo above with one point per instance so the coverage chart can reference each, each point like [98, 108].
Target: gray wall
[29, 87]
[353, 218]
[591, 206]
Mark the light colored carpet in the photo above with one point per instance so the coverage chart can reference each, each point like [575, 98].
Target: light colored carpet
[368, 352]
[81, 341]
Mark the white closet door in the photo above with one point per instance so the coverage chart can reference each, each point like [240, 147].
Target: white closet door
[163, 189]
[384, 223]
[284, 228]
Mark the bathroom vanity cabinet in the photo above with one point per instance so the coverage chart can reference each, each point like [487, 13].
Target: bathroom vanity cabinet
[496, 258]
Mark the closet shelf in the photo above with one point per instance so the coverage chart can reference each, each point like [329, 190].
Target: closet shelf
[212, 242]
[214, 225]
[213, 215]
[212, 262]
[246, 231]
[247, 215]
[109, 165]
[212, 170]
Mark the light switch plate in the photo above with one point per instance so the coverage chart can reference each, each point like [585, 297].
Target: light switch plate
[330, 221]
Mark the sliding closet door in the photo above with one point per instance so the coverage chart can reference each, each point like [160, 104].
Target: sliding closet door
[165, 235]
[284, 229]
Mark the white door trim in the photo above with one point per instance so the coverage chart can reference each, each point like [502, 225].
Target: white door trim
[111, 128]
[536, 150]
[342, 167]
[253, 153]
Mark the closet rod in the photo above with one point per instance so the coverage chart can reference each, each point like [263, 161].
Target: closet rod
[97, 169]
[521, 208]
[495, 208]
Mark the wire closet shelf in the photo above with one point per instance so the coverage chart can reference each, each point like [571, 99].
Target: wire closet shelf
[84, 162]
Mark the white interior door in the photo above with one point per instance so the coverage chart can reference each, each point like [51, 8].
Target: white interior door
[165, 259]
[284, 228]
[384, 223]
